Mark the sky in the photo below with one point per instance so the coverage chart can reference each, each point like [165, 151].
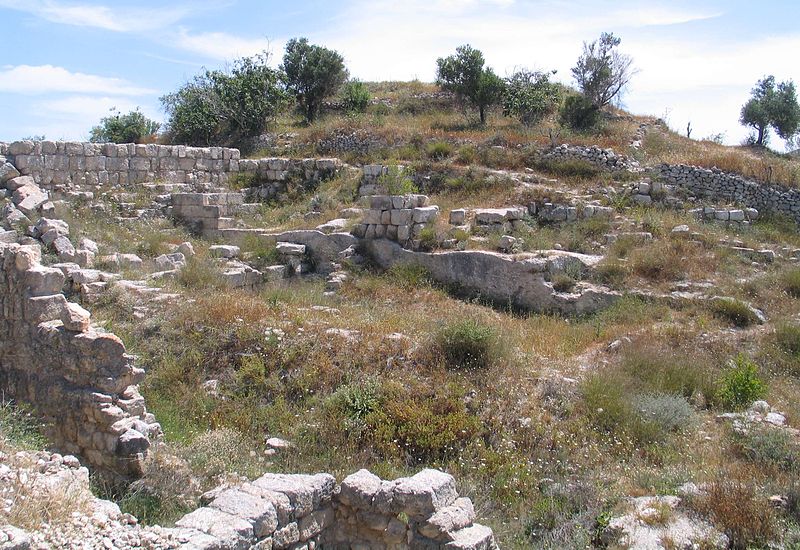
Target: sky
[66, 63]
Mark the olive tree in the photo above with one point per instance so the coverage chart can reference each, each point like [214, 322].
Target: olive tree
[602, 71]
[224, 108]
[312, 73]
[129, 128]
[465, 76]
[772, 106]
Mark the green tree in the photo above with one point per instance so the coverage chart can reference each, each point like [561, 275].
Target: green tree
[775, 106]
[118, 128]
[225, 107]
[579, 112]
[530, 96]
[312, 74]
[464, 75]
[602, 71]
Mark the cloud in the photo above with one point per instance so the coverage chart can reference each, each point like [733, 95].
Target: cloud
[222, 46]
[42, 79]
[117, 19]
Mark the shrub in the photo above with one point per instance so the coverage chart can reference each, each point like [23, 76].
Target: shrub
[530, 96]
[118, 128]
[602, 71]
[741, 385]
[787, 337]
[743, 515]
[397, 182]
[428, 240]
[225, 108]
[563, 282]
[658, 262]
[611, 272]
[467, 344]
[733, 311]
[769, 447]
[439, 150]
[668, 413]
[355, 97]
[578, 113]
[791, 283]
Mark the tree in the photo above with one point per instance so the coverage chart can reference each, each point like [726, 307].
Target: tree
[464, 75]
[225, 107]
[602, 71]
[118, 128]
[312, 73]
[355, 97]
[530, 96]
[772, 106]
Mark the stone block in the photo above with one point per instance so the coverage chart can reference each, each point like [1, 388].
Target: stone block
[233, 532]
[259, 512]
[425, 214]
[458, 216]
[424, 493]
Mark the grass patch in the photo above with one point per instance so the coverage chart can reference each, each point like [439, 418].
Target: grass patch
[733, 311]
[468, 344]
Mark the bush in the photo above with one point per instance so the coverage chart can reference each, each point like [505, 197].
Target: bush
[791, 283]
[439, 150]
[563, 282]
[118, 128]
[733, 311]
[355, 97]
[743, 515]
[428, 240]
[530, 96]
[579, 113]
[225, 108]
[787, 337]
[397, 182]
[467, 344]
[769, 447]
[740, 385]
[667, 413]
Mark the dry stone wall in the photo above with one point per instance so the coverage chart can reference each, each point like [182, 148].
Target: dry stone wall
[605, 159]
[716, 185]
[398, 218]
[270, 177]
[79, 378]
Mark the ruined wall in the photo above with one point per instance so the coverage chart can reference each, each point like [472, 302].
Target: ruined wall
[716, 185]
[303, 512]
[57, 164]
[60, 163]
[605, 159]
[399, 218]
[78, 377]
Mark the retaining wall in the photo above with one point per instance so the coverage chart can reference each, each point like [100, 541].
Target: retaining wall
[79, 378]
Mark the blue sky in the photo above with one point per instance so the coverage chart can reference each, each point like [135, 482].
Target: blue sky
[65, 63]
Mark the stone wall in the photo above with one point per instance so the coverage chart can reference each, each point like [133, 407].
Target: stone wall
[397, 218]
[60, 163]
[206, 213]
[605, 159]
[79, 378]
[716, 185]
[304, 512]
[272, 176]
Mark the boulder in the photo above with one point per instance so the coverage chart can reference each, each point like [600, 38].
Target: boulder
[7, 172]
[224, 251]
[75, 318]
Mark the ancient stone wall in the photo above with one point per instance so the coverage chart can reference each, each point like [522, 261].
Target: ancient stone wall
[206, 213]
[271, 177]
[78, 377]
[365, 512]
[397, 218]
[605, 159]
[716, 185]
[60, 163]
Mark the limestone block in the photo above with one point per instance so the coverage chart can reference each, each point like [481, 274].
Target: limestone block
[286, 536]
[7, 172]
[314, 523]
[43, 281]
[380, 202]
[425, 214]
[358, 489]
[39, 309]
[234, 532]
[259, 512]
[224, 251]
[424, 493]
[373, 216]
[44, 225]
[130, 261]
[458, 216]
[477, 537]
[169, 262]
[290, 249]
[27, 256]
[448, 520]
[63, 248]
[402, 217]
[75, 318]
[305, 492]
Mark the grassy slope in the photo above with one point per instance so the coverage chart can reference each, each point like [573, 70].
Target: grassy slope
[546, 437]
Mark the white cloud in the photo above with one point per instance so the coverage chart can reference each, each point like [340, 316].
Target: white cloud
[41, 79]
[118, 19]
[222, 46]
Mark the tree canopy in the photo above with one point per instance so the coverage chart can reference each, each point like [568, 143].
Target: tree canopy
[602, 71]
[464, 75]
[772, 106]
[312, 73]
[118, 128]
[225, 107]
[530, 96]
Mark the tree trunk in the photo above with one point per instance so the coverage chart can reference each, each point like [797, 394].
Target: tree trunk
[761, 132]
[310, 113]
[482, 111]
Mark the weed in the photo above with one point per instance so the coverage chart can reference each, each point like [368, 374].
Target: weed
[19, 427]
[563, 282]
[770, 447]
[439, 150]
[467, 344]
[667, 413]
[397, 182]
[740, 385]
[733, 311]
[428, 240]
[791, 282]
